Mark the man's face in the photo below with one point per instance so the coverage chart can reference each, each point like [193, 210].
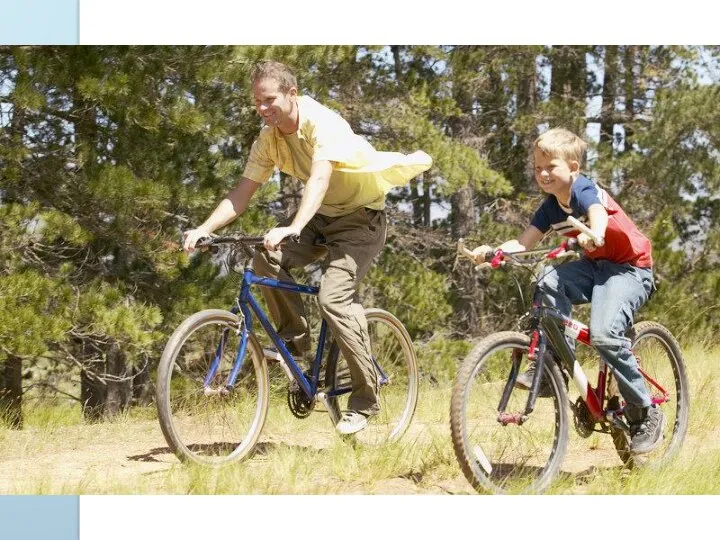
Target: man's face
[272, 104]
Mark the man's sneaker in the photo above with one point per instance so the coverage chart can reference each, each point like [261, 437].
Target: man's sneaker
[646, 428]
[524, 382]
[351, 422]
[298, 347]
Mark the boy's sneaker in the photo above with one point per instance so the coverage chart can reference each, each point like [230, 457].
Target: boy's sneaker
[646, 428]
[351, 422]
[524, 382]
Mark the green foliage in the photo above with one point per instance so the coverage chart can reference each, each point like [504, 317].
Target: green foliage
[439, 357]
[416, 295]
[108, 153]
[104, 310]
[33, 313]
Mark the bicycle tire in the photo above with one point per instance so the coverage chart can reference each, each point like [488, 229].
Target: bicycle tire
[392, 348]
[483, 445]
[653, 344]
[210, 429]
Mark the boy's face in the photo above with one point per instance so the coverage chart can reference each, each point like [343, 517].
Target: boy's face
[554, 175]
[272, 104]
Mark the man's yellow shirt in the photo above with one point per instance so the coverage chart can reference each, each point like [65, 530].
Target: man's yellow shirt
[361, 175]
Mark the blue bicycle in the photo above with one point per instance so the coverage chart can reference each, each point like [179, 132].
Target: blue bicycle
[213, 389]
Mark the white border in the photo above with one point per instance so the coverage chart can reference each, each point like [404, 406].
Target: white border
[399, 517]
[406, 22]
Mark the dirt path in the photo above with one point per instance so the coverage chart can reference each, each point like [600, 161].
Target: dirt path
[134, 457]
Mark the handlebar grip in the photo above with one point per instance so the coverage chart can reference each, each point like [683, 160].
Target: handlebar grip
[205, 241]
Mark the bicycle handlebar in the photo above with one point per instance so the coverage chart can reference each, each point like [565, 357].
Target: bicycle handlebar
[209, 241]
[569, 247]
[497, 258]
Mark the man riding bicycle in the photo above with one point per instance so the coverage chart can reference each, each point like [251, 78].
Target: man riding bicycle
[340, 218]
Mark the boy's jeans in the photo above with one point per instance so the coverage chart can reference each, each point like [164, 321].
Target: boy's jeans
[615, 292]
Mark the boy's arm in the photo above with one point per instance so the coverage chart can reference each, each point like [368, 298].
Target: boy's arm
[527, 240]
[598, 217]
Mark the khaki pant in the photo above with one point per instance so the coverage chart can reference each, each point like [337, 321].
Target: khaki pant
[349, 245]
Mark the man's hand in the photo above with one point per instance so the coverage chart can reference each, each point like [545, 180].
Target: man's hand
[192, 236]
[586, 242]
[275, 236]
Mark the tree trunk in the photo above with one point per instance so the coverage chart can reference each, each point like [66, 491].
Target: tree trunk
[526, 104]
[568, 85]
[142, 386]
[426, 200]
[11, 393]
[630, 54]
[415, 200]
[119, 382]
[609, 93]
[468, 301]
[463, 212]
[92, 395]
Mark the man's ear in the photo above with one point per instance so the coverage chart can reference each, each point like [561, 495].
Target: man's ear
[574, 166]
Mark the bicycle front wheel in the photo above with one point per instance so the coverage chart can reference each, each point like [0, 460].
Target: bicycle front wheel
[661, 363]
[396, 365]
[202, 421]
[510, 457]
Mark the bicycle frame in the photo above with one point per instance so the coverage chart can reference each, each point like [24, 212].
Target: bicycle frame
[248, 305]
[551, 328]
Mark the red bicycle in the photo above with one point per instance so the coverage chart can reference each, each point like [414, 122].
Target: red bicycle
[507, 440]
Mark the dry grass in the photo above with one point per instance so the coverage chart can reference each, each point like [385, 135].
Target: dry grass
[58, 454]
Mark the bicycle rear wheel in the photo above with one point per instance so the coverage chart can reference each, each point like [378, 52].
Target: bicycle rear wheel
[204, 423]
[395, 360]
[506, 458]
[661, 361]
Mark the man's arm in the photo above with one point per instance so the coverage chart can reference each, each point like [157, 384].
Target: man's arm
[312, 198]
[229, 208]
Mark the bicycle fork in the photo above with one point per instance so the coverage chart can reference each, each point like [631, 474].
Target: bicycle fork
[240, 329]
[536, 352]
[549, 332]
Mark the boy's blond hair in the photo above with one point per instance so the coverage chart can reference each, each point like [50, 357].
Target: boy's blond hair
[563, 144]
[269, 69]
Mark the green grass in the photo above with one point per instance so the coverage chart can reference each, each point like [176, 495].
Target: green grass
[57, 453]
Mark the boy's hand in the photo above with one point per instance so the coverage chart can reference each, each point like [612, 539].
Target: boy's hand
[586, 242]
[479, 253]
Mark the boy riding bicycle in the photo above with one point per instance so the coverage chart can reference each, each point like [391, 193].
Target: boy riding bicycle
[615, 276]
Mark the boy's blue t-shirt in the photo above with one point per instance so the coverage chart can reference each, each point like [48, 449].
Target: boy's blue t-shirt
[624, 243]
